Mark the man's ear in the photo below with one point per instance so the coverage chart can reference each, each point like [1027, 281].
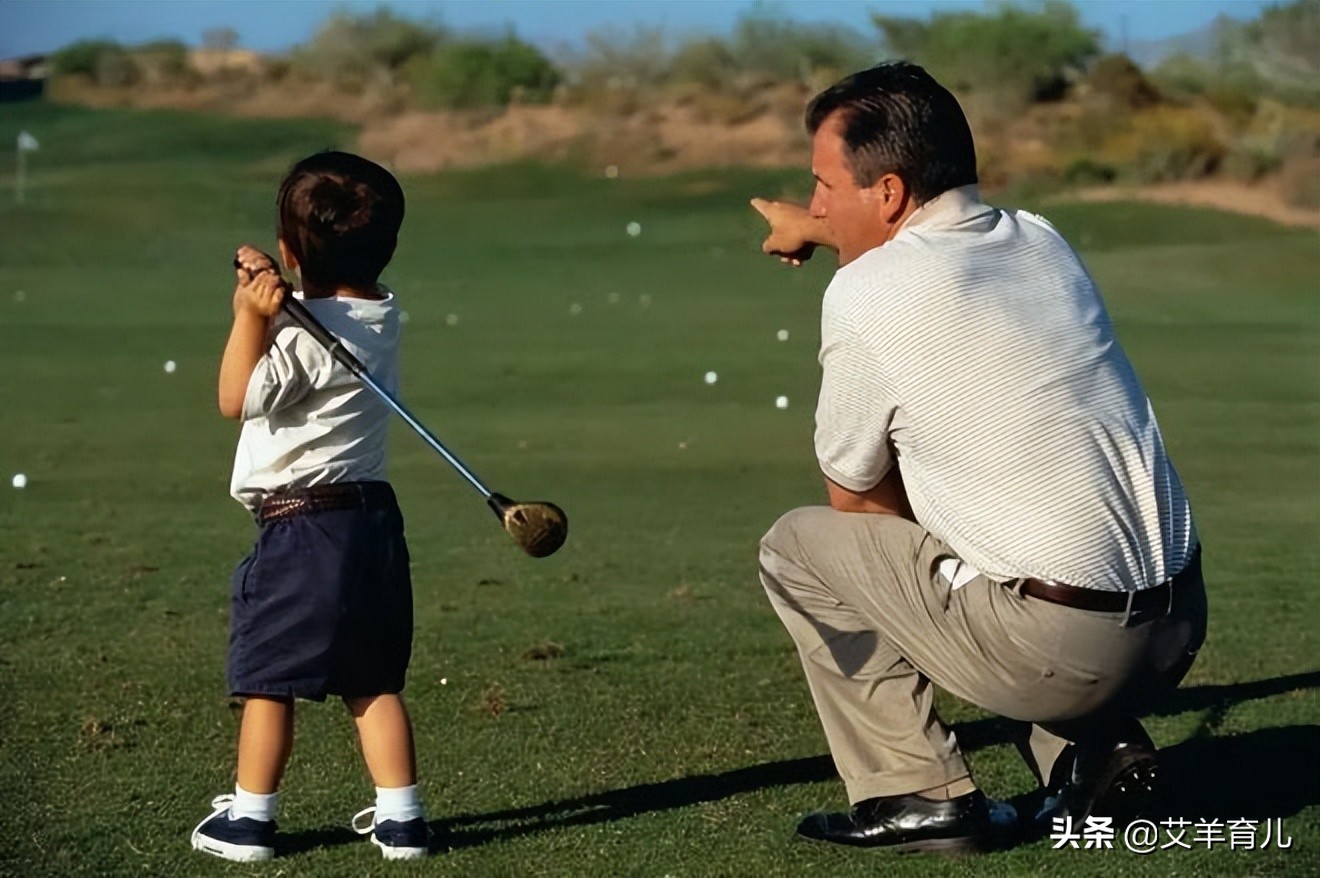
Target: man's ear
[286, 256]
[892, 195]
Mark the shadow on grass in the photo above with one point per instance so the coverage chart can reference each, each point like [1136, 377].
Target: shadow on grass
[311, 839]
[1272, 772]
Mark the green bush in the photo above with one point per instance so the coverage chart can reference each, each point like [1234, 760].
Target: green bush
[480, 73]
[1117, 78]
[1086, 171]
[705, 62]
[1017, 54]
[352, 50]
[792, 50]
[166, 60]
[1277, 55]
[101, 60]
[622, 60]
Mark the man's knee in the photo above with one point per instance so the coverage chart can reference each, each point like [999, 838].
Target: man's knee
[787, 536]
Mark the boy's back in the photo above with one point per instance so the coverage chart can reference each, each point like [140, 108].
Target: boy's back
[307, 419]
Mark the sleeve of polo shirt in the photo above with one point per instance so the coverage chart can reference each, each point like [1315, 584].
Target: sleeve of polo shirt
[854, 411]
[295, 365]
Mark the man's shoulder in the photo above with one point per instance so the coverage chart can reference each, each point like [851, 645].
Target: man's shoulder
[902, 266]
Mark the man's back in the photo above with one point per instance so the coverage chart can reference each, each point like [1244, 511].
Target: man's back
[1022, 433]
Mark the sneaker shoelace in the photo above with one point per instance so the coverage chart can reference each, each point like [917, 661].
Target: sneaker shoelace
[221, 804]
[370, 814]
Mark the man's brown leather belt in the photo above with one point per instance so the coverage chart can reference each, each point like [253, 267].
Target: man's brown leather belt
[317, 498]
[1095, 599]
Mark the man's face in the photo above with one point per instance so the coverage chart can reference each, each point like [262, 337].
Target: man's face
[855, 215]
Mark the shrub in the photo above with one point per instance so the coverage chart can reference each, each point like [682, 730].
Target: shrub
[1166, 144]
[105, 61]
[163, 60]
[621, 60]
[480, 73]
[708, 62]
[1118, 79]
[791, 50]
[353, 50]
[1017, 54]
[1086, 171]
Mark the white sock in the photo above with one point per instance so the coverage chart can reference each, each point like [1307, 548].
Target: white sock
[254, 806]
[398, 803]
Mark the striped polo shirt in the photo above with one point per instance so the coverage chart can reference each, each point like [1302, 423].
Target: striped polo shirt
[973, 351]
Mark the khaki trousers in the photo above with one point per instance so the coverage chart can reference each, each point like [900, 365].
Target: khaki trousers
[875, 625]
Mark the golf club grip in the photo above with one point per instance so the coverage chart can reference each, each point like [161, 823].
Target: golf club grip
[298, 311]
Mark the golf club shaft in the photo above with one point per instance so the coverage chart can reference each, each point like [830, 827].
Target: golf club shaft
[298, 311]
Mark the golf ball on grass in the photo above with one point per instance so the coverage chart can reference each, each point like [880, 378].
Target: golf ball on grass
[634, 229]
[451, 320]
[171, 367]
[711, 377]
[19, 481]
[781, 402]
[782, 335]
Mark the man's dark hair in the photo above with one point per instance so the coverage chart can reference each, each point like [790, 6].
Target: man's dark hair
[340, 216]
[898, 120]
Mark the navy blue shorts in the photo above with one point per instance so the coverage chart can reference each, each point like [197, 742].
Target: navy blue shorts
[323, 605]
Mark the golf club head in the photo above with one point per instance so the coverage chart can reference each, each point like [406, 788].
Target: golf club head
[539, 528]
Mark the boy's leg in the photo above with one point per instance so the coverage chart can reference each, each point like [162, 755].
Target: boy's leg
[265, 741]
[385, 731]
[242, 826]
[397, 826]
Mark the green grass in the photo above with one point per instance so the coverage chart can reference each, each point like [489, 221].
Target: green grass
[674, 734]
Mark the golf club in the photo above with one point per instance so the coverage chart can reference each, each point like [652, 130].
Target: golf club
[538, 527]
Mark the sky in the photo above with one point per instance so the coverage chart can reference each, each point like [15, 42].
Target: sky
[35, 26]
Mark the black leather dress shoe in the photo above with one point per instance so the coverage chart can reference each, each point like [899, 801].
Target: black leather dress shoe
[967, 824]
[1114, 777]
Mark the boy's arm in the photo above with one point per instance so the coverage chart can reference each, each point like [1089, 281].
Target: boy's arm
[257, 299]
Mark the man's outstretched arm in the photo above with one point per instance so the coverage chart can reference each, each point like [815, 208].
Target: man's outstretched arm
[794, 232]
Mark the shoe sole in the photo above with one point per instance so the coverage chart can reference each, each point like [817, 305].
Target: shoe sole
[1131, 790]
[391, 852]
[949, 847]
[946, 847]
[238, 853]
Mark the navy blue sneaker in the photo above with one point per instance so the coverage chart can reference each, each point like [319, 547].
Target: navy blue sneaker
[397, 839]
[243, 840]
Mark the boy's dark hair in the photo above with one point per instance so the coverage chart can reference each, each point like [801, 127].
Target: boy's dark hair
[898, 120]
[340, 215]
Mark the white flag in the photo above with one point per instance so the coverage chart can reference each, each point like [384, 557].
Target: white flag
[26, 142]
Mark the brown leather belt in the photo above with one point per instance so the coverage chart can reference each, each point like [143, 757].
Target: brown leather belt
[1093, 598]
[1157, 598]
[319, 498]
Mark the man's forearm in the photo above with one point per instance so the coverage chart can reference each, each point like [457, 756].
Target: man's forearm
[817, 231]
[887, 498]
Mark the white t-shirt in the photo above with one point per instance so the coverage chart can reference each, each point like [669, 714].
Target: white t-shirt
[973, 350]
[306, 419]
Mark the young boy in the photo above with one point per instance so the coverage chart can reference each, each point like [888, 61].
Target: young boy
[323, 605]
